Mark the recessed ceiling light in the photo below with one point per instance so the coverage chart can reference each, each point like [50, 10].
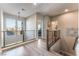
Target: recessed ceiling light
[66, 10]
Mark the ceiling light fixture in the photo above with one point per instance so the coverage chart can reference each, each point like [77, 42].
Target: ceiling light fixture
[66, 10]
[18, 13]
[23, 9]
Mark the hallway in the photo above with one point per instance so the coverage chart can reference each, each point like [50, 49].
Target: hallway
[21, 22]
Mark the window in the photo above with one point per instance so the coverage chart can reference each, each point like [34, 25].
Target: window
[19, 27]
[10, 26]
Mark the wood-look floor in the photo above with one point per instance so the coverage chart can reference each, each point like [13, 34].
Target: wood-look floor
[36, 48]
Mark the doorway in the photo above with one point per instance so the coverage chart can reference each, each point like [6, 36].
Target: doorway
[39, 31]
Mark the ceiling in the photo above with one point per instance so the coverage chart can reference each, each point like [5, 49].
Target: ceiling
[50, 9]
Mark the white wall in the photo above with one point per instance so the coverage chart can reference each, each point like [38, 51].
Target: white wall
[30, 23]
[68, 24]
[1, 20]
[45, 26]
[31, 27]
[0, 27]
[78, 19]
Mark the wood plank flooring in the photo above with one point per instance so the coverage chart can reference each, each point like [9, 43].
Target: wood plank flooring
[36, 48]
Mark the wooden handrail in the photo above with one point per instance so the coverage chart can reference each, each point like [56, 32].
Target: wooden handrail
[56, 38]
[75, 42]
